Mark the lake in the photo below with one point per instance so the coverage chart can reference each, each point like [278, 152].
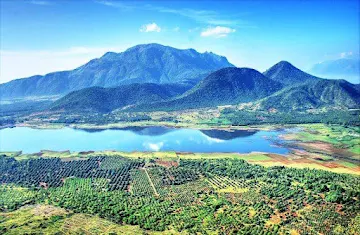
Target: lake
[31, 140]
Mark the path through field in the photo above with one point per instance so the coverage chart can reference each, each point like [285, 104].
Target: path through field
[151, 183]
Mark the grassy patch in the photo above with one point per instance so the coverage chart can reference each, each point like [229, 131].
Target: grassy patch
[252, 212]
[46, 219]
[51, 154]
[255, 157]
[339, 136]
[355, 149]
[11, 154]
[233, 190]
[32, 220]
[347, 164]
[85, 224]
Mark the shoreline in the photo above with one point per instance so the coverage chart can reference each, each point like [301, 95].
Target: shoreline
[121, 125]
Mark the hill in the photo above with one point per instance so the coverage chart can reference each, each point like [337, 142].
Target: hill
[287, 74]
[99, 99]
[148, 63]
[316, 94]
[225, 86]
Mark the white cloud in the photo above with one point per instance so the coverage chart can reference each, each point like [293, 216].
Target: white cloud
[154, 146]
[34, 62]
[210, 140]
[217, 32]
[153, 27]
[176, 29]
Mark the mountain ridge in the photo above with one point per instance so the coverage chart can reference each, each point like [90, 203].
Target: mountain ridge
[287, 74]
[286, 88]
[145, 63]
[222, 87]
[314, 95]
[100, 99]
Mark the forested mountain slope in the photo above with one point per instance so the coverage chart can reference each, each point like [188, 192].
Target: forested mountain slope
[101, 99]
[318, 94]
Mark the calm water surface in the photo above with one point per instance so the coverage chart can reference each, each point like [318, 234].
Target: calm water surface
[139, 139]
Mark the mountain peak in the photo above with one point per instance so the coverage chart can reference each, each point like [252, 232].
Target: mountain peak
[284, 65]
[234, 70]
[147, 46]
[145, 63]
[286, 73]
[222, 87]
[233, 75]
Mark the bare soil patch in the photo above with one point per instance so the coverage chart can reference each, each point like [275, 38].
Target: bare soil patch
[47, 210]
[167, 164]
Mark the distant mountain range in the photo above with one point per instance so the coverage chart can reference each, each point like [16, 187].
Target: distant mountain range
[345, 68]
[153, 77]
[148, 63]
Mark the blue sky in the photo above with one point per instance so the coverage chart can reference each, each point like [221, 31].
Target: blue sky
[41, 36]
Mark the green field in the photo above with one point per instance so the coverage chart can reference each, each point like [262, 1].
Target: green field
[341, 137]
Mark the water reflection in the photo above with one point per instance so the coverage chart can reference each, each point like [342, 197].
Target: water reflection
[161, 130]
[139, 139]
[228, 134]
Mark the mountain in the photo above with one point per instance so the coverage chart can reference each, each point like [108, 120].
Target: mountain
[287, 74]
[99, 99]
[319, 94]
[344, 68]
[148, 63]
[225, 86]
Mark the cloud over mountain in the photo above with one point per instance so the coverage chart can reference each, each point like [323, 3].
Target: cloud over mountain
[217, 32]
[152, 27]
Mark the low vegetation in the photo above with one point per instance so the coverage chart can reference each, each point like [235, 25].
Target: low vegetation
[340, 137]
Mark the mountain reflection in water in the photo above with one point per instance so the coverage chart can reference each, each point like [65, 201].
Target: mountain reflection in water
[153, 138]
[161, 130]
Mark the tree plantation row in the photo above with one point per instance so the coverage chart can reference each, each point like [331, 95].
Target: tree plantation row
[225, 196]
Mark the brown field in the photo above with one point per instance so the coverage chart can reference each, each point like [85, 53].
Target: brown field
[167, 164]
[308, 162]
